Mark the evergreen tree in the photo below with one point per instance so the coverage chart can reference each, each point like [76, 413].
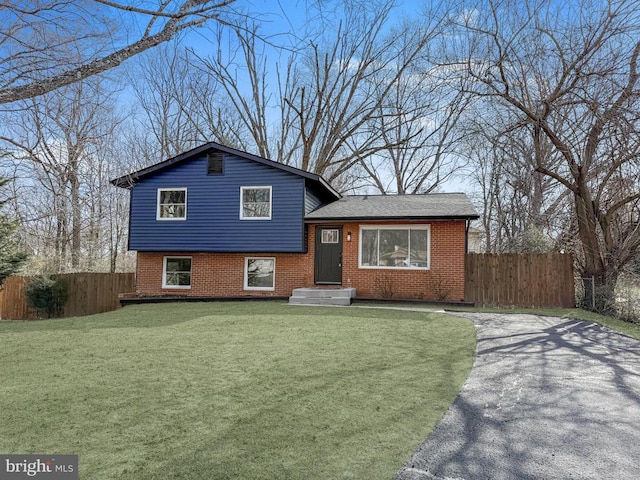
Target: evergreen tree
[11, 255]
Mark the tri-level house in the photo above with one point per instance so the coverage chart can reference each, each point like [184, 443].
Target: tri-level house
[219, 222]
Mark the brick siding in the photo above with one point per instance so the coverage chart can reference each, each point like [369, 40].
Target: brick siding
[222, 274]
[445, 275]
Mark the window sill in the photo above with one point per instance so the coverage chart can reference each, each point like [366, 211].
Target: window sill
[409, 269]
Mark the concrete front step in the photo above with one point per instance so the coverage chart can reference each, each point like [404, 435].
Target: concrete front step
[322, 296]
[319, 301]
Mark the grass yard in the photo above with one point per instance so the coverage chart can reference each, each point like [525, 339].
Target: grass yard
[258, 390]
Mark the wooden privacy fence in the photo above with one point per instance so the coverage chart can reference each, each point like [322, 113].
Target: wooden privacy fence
[520, 280]
[88, 293]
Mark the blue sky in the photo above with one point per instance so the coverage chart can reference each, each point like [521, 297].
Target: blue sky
[280, 18]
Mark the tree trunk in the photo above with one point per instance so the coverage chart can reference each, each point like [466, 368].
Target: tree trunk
[598, 280]
[76, 217]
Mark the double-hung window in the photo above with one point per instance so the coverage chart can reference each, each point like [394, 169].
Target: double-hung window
[396, 246]
[259, 273]
[176, 272]
[172, 204]
[255, 203]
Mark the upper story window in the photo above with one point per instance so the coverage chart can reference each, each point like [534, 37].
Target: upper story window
[172, 204]
[255, 203]
[396, 246]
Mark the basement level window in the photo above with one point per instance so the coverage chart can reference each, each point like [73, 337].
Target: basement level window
[176, 272]
[215, 163]
[259, 273]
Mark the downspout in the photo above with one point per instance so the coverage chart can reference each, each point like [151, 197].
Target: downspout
[466, 253]
[466, 236]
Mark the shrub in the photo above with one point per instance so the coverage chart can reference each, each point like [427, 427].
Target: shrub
[621, 302]
[628, 299]
[440, 286]
[46, 295]
[384, 286]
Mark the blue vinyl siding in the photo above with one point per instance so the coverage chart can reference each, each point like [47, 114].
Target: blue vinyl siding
[311, 201]
[213, 210]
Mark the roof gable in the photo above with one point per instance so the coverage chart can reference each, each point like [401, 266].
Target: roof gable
[127, 181]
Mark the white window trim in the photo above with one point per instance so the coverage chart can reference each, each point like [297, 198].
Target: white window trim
[181, 189]
[394, 227]
[246, 274]
[164, 273]
[242, 189]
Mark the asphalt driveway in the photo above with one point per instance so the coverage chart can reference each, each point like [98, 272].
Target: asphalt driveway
[547, 398]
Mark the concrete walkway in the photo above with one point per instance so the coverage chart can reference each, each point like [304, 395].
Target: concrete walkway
[547, 398]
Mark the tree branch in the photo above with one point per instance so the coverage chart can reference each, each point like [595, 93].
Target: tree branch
[190, 13]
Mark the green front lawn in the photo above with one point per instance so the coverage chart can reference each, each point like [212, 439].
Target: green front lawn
[231, 390]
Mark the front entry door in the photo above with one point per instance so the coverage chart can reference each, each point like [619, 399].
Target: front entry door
[329, 255]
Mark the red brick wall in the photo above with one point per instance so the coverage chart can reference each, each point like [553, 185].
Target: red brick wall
[222, 274]
[446, 273]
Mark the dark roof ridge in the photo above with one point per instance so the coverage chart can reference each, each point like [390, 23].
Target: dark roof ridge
[401, 194]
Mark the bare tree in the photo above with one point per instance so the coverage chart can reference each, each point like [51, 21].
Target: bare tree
[257, 116]
[48, 44]
[348, 79]
[181, 106]
[58, 147]
[522, 210]
[323, 110]
[353, 98]
[419, 126]
[160, 83]
[568, 75]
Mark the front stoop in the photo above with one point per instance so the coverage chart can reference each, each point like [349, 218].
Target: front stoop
[322, 296]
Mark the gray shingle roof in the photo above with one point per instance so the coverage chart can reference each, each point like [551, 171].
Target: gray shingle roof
[390, 207]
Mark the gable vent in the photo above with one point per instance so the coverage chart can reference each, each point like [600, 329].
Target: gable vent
[215, 164]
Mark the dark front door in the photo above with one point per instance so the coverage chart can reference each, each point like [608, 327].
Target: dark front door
[329, 255]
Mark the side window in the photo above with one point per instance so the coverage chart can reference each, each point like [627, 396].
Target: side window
[172, 204]
[255, 203]
[176, 272]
